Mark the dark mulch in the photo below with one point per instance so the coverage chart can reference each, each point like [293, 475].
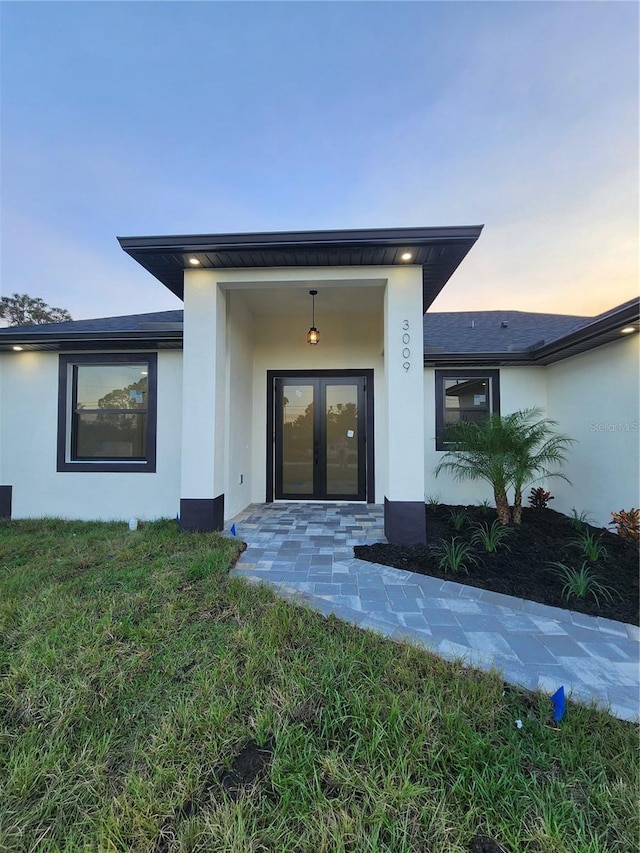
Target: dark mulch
[543, 537]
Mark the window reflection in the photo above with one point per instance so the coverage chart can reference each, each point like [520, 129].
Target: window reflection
[297, 439]
[110, 411]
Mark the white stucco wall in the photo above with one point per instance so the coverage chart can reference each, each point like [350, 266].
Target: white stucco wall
[267, 339]
[520, 388]
[347, 343]
[204, 392]
[239, 367]
[28, 424]
[403, 348]
[594, 397]
[227, 386]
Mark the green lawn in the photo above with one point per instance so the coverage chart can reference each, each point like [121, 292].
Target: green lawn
[137, 677]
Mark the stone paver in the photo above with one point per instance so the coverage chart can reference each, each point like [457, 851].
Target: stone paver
[305, 550]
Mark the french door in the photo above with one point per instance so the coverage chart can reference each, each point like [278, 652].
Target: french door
[320, 438]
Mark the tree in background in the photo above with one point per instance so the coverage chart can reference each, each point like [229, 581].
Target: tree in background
[23, 310]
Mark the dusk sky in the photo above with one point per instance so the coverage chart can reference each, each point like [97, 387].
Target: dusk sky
[150, 118]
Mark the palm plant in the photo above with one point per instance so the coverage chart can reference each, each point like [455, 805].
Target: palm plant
[510, 451]
[538, 452]
[480, 452]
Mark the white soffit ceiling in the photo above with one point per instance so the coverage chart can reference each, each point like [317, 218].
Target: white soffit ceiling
[271, 302]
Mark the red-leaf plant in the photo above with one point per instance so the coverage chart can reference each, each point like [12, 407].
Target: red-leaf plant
[627, 524]
[539, 498]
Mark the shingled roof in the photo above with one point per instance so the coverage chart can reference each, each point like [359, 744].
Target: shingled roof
[519, 337]
[453, 338]
[495, 331]
[160, 329]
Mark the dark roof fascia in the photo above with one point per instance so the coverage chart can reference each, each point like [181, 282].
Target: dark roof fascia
[159, 255]
[484, 359]
[299, 239]
[90, 340]
[603, 330]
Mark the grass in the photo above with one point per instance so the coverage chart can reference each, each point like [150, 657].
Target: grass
[136, 674]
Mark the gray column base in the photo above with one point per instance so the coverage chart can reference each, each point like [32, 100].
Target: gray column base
[5, 501]
[404, 522]
[202, 513]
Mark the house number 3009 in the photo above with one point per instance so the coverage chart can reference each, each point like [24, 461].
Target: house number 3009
[406, 340]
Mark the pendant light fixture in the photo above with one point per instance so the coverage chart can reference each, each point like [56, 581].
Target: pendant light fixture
[313, 335]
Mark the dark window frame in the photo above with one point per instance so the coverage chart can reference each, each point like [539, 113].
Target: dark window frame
[442, 375]
[66, 419]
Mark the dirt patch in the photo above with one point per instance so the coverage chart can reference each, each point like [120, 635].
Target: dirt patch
[248, 765]
[523, 571]
[242, 547]
[484, 844]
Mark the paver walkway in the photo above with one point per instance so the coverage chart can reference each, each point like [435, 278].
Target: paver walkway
[306, 552]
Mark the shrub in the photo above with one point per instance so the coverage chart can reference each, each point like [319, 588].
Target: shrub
[453, 556]
[432, 500]
[539, 498]
[579, 520]
[491, 538]
[459, 518]
[581, 583]
[591, 546]
[627, 524]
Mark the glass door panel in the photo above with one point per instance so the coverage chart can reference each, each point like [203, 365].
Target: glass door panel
[297, 439]
[319, 438]
[342, 439]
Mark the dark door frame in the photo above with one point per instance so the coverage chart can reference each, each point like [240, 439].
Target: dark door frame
[320, 490]
[367, 375]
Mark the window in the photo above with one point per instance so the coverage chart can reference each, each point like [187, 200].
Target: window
[465, 395]
[107, 412]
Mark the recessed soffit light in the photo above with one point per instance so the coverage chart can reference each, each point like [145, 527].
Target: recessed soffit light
[194, 261]
[17, 349]
[406, 256]
[628, 330]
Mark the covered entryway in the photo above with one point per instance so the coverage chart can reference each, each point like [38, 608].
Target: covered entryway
[320, 436]
[246, 316]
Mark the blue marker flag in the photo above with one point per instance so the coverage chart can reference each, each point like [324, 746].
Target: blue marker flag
[233, 530]
[559, 704]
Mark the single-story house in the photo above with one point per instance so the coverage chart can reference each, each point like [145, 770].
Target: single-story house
[305, 366]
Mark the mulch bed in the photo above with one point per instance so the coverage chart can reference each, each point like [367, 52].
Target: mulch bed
[544, 536]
